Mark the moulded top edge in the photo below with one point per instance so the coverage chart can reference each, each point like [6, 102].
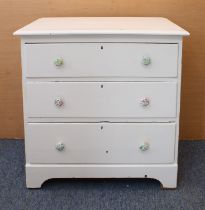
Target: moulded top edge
[102, 25]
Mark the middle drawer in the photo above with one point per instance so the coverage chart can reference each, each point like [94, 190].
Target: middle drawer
[101, 100]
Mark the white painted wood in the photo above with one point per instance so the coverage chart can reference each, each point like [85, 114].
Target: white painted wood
[99, 119]
[99, 38]
[115, 60]
[102, 25]
[178, 98]
[36, 174]
[103, 79]
[101, 143]
[108, 99]
[87, 106]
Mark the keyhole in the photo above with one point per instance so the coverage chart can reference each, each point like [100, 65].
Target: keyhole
[101, 86]
[107, 152]
[101, 47]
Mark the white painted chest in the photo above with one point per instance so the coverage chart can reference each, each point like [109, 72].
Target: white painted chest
[101, 98]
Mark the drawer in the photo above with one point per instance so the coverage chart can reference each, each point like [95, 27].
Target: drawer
[101, 100]
[133, 143]
[102, 60]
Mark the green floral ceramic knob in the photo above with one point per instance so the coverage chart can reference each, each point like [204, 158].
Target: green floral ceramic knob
[146, 61]
[144, 147]
[60, 146]
[58, 62]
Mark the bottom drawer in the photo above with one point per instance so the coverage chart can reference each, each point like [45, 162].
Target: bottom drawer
[125, 143]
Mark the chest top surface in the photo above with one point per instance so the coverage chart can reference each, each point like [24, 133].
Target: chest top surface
[102, 25]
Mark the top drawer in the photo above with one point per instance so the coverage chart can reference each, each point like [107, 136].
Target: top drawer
[101, 60]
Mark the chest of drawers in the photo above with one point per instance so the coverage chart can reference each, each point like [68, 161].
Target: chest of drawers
[101, 98]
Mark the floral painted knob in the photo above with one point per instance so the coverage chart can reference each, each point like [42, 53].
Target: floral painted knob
[145, 102]
[58, 61]
[144, 146]
[59, 102]
[60, 146]
[146, 61]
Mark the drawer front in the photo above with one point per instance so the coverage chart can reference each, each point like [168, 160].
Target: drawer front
[95, 99]
[133, 143]
[102, 60]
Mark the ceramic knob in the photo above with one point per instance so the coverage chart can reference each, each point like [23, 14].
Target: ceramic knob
[144, 146]
[59, 102]
[146, 61]
[145, 102]
[60, 146]
[58, 62]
